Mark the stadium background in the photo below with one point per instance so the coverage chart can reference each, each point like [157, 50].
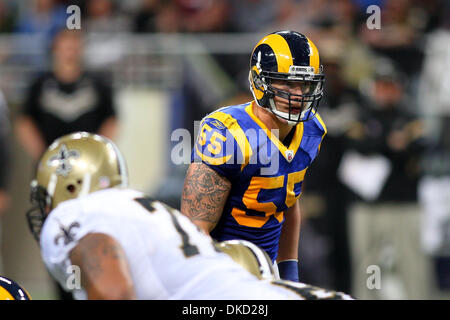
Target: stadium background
[171, 62]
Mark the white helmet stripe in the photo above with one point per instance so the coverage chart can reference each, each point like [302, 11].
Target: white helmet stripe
[52, 184]
[265, 266]
[86, 185]
[122, 164]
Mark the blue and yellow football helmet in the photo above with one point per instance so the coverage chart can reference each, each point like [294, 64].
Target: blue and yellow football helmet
[10, 290]
[287, 56]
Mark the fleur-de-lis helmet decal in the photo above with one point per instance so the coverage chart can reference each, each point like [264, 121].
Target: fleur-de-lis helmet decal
[62, 160]
[73, 166]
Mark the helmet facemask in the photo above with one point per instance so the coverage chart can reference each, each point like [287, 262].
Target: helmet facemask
[301, 107]
[41, 203]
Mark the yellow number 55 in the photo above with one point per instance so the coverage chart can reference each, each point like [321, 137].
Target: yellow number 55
[215, 146]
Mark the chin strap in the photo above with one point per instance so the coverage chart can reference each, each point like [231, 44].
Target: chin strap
[282, 115]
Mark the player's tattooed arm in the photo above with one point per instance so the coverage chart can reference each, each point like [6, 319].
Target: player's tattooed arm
[204, 195]
[103, 268]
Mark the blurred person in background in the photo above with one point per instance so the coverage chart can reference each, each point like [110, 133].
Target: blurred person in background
[257, 15]
[106, 27]
[157, 16]
[434, 187]
[145, 20]
[40, 20]
[200, 16]
[65, 99]
[42, 17]
[105, 16]
[336, 18]
[8, 16]
[402, 26]
[385, 221]
[4, 164]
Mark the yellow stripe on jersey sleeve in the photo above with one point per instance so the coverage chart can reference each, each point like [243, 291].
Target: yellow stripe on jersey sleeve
[324, 128]
[238, 134]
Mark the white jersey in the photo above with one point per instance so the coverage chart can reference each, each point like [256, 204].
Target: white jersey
[168, 257]
[309, 292]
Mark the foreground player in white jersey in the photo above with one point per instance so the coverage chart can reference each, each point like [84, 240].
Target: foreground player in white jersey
[257, 262]
[125, 245]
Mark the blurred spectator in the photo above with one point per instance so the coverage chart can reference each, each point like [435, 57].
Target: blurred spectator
[255, 15]
[65, 100]
[434, 188]
[324, 245]
[42, 17]
[158, 16]
[182, 16]
[7, 16]
[4, 154]
[38, 23]
[335, 24]
[337, 17]
[385, 223]
[104, 16]
[399, 36]
[202, 15]
[146, 18]
[103, 25]
[4, 164]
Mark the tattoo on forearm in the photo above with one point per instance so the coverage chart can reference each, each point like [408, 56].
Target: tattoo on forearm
[204, 194]
[92, 253]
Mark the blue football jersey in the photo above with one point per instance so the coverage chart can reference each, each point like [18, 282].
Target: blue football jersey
[266, 176]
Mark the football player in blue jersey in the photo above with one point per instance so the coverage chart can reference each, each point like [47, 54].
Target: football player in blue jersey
[249, 160]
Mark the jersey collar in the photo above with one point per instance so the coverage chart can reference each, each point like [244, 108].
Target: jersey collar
[287, 152]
